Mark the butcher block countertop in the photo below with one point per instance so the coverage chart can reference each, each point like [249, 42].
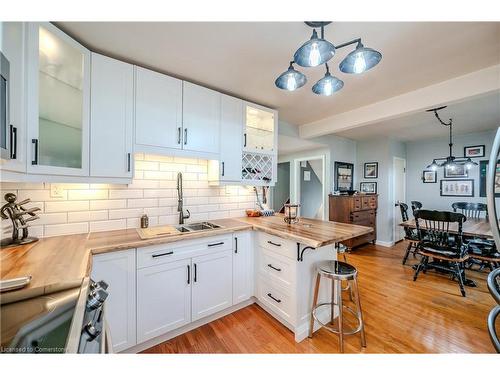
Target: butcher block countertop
[314, 233]
[58, 263]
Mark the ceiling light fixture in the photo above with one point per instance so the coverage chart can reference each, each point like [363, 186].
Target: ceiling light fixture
[318, 51]
[290, 79]
[328, 84]
[450, 162]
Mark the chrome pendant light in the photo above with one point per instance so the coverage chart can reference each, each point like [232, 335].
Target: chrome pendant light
[318, 51]
[328, 84]
[449, 162]
[290, 79]
[360, 60]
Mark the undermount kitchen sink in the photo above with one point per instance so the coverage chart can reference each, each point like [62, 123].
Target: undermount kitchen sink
[170, 230]
[195, 227]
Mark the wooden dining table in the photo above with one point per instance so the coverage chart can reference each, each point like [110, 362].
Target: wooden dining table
[471, 227]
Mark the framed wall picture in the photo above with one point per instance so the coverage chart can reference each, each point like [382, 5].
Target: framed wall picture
[457, 188]
[474, 151]
[429, 177]
[371, 170]
[483, 169]
[344, 173]
[368, 187]
[460, 171]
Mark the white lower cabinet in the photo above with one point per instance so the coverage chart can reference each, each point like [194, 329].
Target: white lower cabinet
[212, 284]
[243, 267]
[118, 270]
[159, 288]
[163, 298]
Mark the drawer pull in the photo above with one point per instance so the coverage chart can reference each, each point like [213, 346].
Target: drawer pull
[271, 296]
[274, 268]
[216, 244]
[273, 243]
[162, 254]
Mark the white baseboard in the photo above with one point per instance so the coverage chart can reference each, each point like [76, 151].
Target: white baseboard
[384, 243]
[179, 331]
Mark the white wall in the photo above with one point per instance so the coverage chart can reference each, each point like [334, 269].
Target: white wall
[381, 150]
[98, 207]
[421, 153]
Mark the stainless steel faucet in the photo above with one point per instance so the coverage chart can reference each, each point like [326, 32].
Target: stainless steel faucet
[180, 201]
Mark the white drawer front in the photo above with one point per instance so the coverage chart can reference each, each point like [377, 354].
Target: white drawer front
[279, 245]
[164, 253]
[277, 268]
[276, 299]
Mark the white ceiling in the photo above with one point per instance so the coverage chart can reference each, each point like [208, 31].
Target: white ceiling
[244, 59]
[475, 115]
[289, 144]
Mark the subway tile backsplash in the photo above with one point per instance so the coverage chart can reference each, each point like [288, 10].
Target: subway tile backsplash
[101, 207]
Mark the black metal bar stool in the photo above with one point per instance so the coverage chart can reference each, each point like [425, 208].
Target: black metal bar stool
[338, 272]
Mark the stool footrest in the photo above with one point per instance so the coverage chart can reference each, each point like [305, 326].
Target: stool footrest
[347, 308]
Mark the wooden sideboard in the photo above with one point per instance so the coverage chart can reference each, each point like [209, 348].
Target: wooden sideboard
[355, 209]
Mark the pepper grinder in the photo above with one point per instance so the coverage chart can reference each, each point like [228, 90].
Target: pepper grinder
[144, 221]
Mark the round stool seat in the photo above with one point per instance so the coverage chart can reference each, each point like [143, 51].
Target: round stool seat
[337, 270]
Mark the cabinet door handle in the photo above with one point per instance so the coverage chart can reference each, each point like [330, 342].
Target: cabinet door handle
[245, 140]
[13, 142]
[185, 136]
[195, 273]
[216, 244]
[128, 162]
[189, 274]
[236, 245]
[35, 142]
[162, 254]
[179, 130]
[271, 296]
[222, 168]
[273, 243]
[274, 268]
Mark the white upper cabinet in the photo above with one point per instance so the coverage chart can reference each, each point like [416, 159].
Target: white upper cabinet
[58, 72]
[201, 118]
[12, 45]
[260, 129]
[212, 283]
[158, 111]
[231, 130]
[111, 118]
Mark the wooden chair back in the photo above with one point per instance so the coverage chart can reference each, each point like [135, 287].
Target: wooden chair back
[433, 227]
[415, 205]
[404, 217]
[471, 210]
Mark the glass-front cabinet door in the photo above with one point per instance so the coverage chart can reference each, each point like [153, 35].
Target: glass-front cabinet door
[260, 129]
[58, 102]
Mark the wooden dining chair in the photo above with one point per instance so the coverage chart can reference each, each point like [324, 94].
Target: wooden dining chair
[411, 235]
[415, 205]
[471, 210]
[436, 241]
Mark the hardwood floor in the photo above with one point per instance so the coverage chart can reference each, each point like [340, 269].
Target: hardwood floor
[401, 316]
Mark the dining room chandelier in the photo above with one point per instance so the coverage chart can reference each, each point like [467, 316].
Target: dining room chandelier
[318, 51]
[449, 162]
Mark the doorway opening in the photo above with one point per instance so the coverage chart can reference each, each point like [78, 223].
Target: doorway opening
[399, 196]
[310, 187]
[281, 190]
